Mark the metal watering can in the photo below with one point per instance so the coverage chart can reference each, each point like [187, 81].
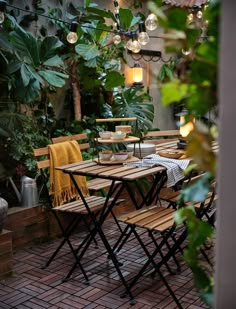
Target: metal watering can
[29, 192]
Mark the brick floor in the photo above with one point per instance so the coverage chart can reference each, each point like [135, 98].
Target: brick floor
[36, 288]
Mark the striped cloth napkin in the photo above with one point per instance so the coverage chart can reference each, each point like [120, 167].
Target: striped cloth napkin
[174, 167]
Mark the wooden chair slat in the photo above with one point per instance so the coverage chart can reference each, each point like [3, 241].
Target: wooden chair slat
[162, 133]
[41, 152]
[100, 120]
[43, 164]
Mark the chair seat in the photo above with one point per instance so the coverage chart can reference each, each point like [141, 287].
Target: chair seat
[95, 203]
[168, 194]
[152, 218]
[98, 184]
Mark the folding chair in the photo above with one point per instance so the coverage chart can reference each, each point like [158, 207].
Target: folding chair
[206, 209]
[76, 208]
[95, 185]
[155, 220]
[171, 195]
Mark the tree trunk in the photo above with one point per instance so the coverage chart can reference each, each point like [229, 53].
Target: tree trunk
[76, 92]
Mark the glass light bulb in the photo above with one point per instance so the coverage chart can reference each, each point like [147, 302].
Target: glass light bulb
[116, 10]
[2, 17]
[136, 47]
[151, 22]
[129, 45]
[143, 38]
[72, 37]
[190, 17]
[117, 39]
[199, 14]
[186, 52]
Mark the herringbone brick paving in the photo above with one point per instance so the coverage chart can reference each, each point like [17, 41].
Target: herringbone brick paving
[36, 288]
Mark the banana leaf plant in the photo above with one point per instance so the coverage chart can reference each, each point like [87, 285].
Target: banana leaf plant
[32, 63]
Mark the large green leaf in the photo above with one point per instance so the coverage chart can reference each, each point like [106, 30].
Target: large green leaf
[27, 94]
[14, 66]
[102, 13]
[92, 63]
[48, 47]
[173, 91]
[114, 79]
[177, 19]
[201, 278]
[197, 192]
[55, 61]
[127, 20]
[4, 42]
[87, 51]
[25, 74]
[133, 102]
[54, 78]
[26, 45]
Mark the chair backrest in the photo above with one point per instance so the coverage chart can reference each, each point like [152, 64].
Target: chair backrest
[81, 138]
[159, 137]
[42, 156]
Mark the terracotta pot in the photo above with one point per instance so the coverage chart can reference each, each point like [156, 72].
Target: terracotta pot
[3, 212]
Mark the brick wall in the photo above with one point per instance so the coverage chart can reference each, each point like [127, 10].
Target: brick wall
[6, 255]
[31, 225]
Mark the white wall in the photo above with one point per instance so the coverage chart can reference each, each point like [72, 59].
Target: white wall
[225, 297]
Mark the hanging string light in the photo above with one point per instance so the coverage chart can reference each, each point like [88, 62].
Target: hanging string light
[72, 36]
[133, 43]
[117, 8]
[135, 39]
[143, 37]
[151, 22]
[3, 5]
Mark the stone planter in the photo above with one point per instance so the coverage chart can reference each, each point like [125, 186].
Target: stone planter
[3, 212]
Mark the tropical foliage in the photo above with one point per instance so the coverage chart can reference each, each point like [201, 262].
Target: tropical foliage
[191, 81]
[44, 74]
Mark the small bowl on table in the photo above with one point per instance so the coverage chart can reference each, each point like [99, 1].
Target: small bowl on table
[105, 134]
[120, 156]
[130, 154]
[105, 155]
[118, 135]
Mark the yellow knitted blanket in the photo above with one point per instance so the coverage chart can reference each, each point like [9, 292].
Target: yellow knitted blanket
[61, 185]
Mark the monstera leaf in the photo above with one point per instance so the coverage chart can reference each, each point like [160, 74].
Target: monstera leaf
[133, 102]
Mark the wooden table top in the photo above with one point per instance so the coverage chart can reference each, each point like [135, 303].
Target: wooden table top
[120, 172]
[172, 146]
[114, 172]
